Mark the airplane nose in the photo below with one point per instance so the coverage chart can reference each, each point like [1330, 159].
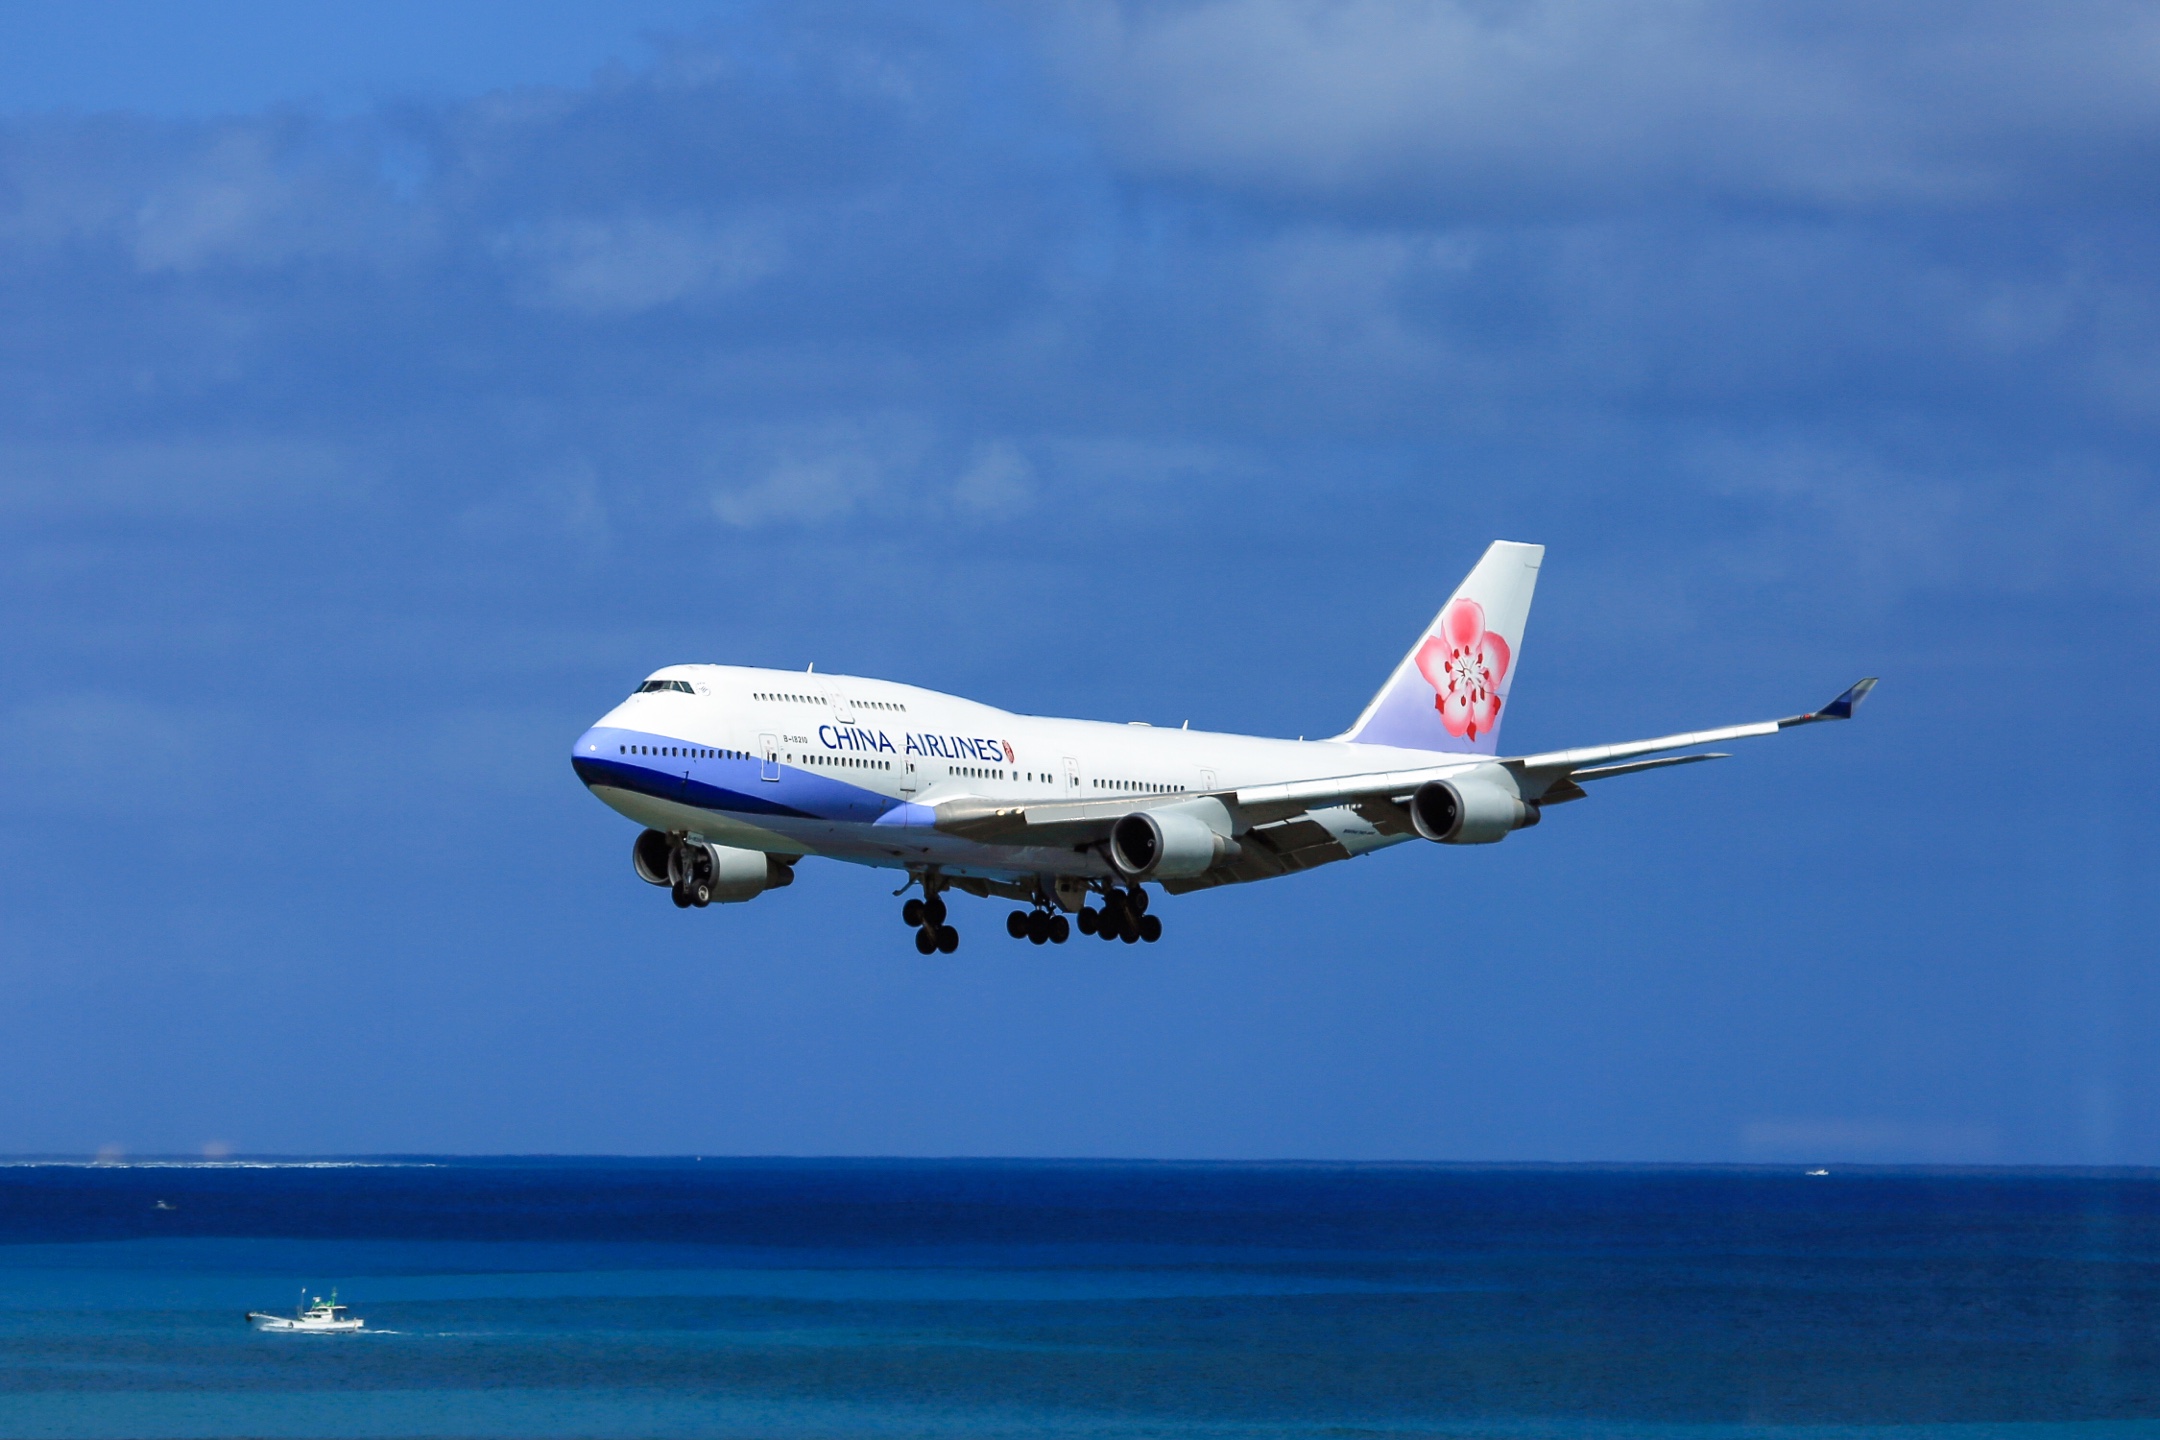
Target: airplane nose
[585, 756]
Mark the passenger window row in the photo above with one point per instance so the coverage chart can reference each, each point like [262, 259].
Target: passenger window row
[1140, 787]
[784, 696]
[858, 762]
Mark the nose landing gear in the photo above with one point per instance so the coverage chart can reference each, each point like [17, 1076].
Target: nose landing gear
[690, 873]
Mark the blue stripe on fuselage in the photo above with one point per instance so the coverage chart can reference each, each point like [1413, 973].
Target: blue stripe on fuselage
[622, 774]
[728, 786]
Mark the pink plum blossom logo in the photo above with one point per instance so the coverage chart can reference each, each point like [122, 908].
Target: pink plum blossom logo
[1464, 664]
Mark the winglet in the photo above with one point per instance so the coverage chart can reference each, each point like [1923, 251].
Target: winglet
[1842, 707]
[1838, 709]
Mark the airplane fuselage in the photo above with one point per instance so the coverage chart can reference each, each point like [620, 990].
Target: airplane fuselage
[854, 769]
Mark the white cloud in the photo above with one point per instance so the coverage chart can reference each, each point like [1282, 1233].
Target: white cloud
[61, 183]
[111, 759]
[173, 478]
[1889, 525]
[1132, 469]
[627, 263]
[812, 473]
[183, 199]
[254, 195]
[564, 499]
[1562, 104]
[997, 483]
[218, 207]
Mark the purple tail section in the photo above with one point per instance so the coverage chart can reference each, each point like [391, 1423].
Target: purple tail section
[1450, 691]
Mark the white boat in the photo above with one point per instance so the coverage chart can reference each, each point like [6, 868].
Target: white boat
[319, 1317]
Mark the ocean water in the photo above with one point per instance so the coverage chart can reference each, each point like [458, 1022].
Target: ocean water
[807, 1299]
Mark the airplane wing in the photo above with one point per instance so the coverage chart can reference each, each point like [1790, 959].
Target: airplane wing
[1549, 778]
[1546, 779]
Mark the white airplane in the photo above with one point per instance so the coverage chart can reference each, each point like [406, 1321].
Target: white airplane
[739, 773]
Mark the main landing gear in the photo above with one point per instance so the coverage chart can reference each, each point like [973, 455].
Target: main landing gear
[1038, 927]
[927, 915]
[1123, 917]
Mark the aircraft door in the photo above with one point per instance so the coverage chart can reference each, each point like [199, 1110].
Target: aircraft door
[843, 709]
[770, 744]
[1072, 776]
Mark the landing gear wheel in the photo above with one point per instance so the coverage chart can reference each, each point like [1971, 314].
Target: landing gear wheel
[1038, 928]
[933, 910]
[1016, 924]
[925, 941]
[1130, 934]
[1106, 931]
[1150, 928]
[948, 940]
[1136, 900]
[912, 913]
[680, 896]
[1088, 917]
[701, 896]
[1060, 929]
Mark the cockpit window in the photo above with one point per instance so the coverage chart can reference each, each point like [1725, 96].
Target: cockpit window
[651, 685]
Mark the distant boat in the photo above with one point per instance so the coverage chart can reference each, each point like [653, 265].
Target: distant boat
[322, 1317]
[1818, 1172]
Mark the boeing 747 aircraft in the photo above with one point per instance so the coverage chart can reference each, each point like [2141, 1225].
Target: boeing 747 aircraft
[737, 774]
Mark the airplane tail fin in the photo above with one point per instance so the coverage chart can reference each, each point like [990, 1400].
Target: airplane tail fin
[1449, 691]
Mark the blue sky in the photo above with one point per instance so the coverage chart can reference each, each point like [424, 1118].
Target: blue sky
[379, 401]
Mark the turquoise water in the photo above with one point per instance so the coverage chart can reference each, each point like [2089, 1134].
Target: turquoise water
[702, 1298]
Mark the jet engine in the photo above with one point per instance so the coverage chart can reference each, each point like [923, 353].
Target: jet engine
[701, 873]
[1171, 843]
[1475, 809]
[649, 857]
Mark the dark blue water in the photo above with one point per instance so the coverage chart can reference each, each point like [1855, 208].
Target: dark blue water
[613, 1298]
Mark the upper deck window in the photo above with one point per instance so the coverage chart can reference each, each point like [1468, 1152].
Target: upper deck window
[651, 685]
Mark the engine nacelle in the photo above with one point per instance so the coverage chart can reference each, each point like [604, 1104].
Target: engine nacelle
[649, 857]
[1173, 843]
[711, 874]
[1476, 809]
